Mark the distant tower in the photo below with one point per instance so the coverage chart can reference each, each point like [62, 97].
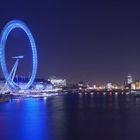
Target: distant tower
[129, 79]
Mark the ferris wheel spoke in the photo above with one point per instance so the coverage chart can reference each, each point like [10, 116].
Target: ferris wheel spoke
[10, 77]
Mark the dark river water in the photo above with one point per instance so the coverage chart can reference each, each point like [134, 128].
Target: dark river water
[71, 117]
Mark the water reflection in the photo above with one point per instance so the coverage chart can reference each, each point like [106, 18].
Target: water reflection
[71, 117]
[23, 119]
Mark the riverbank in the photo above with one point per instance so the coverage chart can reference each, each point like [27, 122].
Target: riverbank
[4, 98]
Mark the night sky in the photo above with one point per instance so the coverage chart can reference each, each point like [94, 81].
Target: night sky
[80, 40]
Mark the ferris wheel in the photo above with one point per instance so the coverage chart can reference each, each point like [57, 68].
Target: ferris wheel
[9, 76]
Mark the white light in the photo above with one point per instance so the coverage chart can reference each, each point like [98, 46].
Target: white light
[92, 93]
[127, 93]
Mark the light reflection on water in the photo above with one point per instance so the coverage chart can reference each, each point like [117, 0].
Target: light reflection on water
[71, 117]
[24, 119]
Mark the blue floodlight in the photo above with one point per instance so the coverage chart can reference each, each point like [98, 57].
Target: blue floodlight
[7, 29]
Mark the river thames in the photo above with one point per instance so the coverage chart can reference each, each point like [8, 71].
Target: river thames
[71, 117]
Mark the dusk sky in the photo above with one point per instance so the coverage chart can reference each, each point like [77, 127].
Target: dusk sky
[80, 40]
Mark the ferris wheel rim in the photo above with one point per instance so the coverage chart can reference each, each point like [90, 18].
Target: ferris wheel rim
[6, 31]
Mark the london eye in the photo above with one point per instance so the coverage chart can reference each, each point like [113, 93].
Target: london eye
[9, 76]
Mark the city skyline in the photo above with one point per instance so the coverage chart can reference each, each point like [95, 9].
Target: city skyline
[92, 41]
[69, 70]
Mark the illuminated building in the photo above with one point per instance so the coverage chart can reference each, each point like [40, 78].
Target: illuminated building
[109, 86]
[133, 86]
[57, 82]
[49, 86]
[136, 85]
[94, 87]
[42, 85]
[39, 86]
[129, 79]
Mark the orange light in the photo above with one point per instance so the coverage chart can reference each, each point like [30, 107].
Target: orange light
[110, 93]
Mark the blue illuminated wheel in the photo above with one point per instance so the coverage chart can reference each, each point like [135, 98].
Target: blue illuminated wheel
[7, 29]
